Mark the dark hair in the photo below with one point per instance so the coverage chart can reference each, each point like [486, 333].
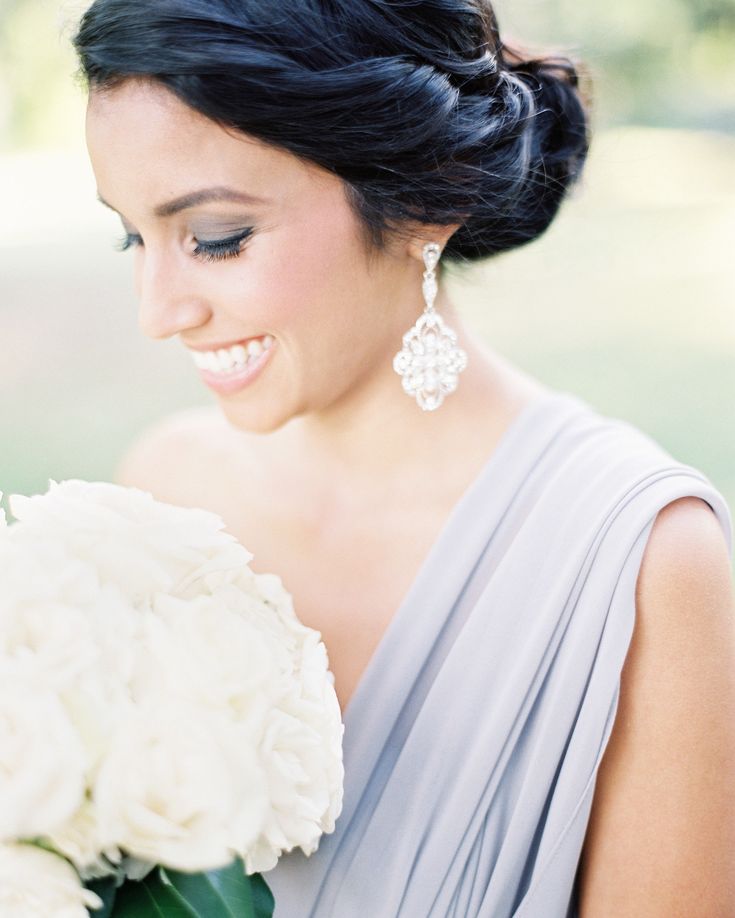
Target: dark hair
[416, 104]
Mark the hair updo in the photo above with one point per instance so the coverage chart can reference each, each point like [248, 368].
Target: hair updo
[416, 104]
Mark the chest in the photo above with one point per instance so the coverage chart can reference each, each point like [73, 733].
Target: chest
[347, 581]
[348, 558]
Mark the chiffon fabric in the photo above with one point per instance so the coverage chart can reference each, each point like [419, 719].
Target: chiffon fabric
[473, 738]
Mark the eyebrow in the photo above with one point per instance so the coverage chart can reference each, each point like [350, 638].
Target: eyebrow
[195, 198]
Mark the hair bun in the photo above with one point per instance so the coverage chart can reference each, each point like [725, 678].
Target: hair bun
[560, 105]
[542, 148]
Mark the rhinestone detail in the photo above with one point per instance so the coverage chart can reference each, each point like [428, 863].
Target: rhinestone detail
[430, 360]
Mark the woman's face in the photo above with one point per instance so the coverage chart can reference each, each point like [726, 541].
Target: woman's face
[236, 242]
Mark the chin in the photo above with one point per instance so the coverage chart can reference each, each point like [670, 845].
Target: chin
[253, 419]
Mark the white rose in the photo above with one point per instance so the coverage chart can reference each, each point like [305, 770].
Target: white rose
[204, 708]
[180, 788]
[51, 639]
[42, 762]
[133, 541]
[271, 590]
[226, 562]
[302, 755]
[82, 653]
[80, 839]
[201, 651]
[35, 883]
[99, 697]
[38, 567]
[320, 698]
[95, 706]
[267, 611]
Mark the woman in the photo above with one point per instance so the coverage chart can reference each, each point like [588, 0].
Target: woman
[474, 547]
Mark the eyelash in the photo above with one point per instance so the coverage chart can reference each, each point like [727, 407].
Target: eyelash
[206, 251]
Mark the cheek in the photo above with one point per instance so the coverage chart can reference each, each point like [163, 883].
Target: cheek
[311, 276]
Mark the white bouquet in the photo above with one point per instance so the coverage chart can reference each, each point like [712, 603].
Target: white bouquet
[168, 728]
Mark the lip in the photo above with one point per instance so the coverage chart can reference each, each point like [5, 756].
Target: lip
[234, 382]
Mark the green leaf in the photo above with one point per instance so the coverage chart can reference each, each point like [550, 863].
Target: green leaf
[152, 898]
[106, 888]
[225, 893]
[262, 897]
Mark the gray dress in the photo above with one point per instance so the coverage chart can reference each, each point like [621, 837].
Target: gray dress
[473, 738]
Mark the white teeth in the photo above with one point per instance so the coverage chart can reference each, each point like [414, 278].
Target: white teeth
[227, 360]
[239, 354]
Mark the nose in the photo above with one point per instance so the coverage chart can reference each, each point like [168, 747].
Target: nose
[168, 300]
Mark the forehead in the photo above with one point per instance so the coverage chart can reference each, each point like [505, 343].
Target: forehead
[143, 139]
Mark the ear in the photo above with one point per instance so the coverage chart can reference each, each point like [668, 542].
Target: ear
[429, 233]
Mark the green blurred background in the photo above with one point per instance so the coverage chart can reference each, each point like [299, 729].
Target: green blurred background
[627, 301]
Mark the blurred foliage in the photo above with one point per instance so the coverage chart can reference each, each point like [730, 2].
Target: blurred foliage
[658, 62]
[40, 100]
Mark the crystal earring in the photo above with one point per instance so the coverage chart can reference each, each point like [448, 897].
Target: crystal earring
[430, 361]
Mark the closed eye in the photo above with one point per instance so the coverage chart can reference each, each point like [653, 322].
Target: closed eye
[219, 249]
[128, 241]
[209, 250]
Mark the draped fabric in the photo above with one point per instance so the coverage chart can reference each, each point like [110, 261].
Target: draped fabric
[473, 739]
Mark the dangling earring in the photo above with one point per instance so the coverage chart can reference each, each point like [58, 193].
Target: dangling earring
[430, 361]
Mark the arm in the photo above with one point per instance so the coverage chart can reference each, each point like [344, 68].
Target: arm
[661, 837]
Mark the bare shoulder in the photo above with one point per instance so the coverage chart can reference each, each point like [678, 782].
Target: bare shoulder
[686, 544]
[175, 456]
[661, 834]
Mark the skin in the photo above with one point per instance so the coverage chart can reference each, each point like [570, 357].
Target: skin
[336, 309]
[661, 837]
[326, 437]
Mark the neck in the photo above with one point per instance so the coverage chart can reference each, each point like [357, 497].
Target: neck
[375, 432]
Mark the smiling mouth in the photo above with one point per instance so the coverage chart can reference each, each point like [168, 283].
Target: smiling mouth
[231, 359]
